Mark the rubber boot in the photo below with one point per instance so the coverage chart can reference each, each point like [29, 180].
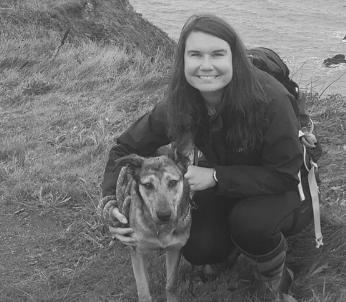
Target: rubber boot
[272, 273]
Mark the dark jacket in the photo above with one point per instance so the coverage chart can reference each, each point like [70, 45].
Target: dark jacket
[271, 169]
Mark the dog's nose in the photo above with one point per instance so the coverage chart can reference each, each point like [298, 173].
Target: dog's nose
[164, 216]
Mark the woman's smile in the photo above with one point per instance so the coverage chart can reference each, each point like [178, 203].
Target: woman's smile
[207, 77]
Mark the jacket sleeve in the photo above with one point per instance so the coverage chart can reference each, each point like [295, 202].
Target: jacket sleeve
[280, 160]
[142, 138]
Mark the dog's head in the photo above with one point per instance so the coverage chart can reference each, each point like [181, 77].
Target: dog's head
[161, 186]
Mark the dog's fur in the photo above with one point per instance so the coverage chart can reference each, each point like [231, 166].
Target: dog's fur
[155, 197]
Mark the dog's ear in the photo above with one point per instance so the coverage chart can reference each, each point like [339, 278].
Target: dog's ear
[172, 151]
[167, 150]
[181, 160]
[183, 164]
[133, 161]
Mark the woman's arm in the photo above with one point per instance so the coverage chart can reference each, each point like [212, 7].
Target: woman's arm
[142, 138]
[281, 158]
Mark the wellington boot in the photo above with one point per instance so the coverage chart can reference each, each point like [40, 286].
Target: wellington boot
[279, 289]
[274, 277]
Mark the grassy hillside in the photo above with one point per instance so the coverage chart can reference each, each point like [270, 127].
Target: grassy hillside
[104, 21]
[62, 104]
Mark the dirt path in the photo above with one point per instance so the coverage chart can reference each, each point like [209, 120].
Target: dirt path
[26, 245]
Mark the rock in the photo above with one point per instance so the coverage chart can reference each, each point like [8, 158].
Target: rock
[344, 39]
[337, 59]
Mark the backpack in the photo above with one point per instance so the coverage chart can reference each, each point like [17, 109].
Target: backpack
[270, 62]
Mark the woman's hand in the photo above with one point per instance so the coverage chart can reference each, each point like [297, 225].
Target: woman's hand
[123, 234]
[116, 221]
[200, 178]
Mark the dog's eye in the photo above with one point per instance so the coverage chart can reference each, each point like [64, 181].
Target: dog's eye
[172, 183]
[148, 185]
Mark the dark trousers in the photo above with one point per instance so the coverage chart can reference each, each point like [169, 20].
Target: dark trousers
[254, 225]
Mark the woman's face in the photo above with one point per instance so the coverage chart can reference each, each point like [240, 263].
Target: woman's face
[208, 62]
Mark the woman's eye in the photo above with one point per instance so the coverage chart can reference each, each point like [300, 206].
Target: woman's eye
[148, 186]
[172, 183]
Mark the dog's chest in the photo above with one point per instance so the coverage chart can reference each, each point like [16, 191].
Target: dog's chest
[162, 239]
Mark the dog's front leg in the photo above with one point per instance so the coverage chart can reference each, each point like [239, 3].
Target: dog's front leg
[141, 275]
[172, 263]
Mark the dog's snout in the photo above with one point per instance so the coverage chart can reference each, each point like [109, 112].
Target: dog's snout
[164, 216]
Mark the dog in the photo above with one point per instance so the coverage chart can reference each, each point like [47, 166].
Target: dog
[155, 197]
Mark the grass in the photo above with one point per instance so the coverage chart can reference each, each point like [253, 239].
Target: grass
[60, 112]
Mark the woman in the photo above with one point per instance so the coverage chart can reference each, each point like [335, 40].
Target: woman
[242, 121]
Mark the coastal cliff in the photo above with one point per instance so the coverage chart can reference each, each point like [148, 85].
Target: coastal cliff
[104, 21]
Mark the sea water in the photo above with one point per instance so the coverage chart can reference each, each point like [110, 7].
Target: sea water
[303, 32]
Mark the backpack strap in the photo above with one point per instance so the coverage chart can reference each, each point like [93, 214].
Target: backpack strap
[314, 192]
[300, 187]
[315, 204]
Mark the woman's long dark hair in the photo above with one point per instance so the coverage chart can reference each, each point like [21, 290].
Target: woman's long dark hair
[242, 99]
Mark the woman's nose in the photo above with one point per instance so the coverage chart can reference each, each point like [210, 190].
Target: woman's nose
[206, 63]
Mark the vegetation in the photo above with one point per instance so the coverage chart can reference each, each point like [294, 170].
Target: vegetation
[62, 104]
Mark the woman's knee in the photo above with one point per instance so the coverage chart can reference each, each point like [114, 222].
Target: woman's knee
[252, 229]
